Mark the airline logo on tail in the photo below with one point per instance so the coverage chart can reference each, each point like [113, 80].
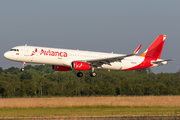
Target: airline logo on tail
[155, 48]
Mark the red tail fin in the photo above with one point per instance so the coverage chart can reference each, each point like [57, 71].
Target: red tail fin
[155, 48]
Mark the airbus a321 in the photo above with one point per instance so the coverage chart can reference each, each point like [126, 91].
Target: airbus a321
[66, 59]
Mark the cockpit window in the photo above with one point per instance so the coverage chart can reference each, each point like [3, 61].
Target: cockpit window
[15, 50]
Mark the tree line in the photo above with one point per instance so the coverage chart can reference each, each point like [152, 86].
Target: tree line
[41, 80]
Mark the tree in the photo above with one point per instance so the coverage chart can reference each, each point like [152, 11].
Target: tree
[6, 89]
[1, 70]
[25, 75]
[126, 88]
[49, 88]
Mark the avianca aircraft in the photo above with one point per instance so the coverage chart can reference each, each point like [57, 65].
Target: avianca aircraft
[66, 60]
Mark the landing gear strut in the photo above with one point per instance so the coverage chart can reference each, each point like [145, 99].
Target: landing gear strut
[23, 64]
[93, 74]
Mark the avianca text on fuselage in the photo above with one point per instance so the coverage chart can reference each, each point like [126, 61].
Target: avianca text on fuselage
[67, 60]
[50, 53]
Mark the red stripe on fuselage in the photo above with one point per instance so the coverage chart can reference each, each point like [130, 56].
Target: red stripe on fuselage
[145, 64]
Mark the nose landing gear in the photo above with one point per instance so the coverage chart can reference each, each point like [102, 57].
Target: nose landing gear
[93, 74]
[23, 64]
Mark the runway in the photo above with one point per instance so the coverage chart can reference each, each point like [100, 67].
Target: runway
[106, 118]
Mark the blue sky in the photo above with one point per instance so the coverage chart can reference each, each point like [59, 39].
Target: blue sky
[94, 25]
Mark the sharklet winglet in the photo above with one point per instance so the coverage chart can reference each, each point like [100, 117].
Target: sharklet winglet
[137, 50]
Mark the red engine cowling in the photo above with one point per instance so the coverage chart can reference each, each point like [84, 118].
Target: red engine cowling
[60, 68]
[80, 66]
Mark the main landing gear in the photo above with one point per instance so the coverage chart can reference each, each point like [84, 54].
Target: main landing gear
[92, 74]
[79, 74]
[23, 64]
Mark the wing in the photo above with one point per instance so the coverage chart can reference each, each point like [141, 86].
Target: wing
[99, 62]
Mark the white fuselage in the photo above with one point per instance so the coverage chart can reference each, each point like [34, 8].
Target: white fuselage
[55, 56]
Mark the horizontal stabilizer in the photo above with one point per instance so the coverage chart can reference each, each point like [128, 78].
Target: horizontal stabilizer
[157, 62]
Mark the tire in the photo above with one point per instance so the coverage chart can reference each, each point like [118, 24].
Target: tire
[93, 74]
[79, 74]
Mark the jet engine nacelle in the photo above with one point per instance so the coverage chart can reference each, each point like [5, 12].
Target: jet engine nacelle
[80, 66]
[60, 68]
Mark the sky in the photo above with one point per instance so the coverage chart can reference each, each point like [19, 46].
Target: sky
[118, 26]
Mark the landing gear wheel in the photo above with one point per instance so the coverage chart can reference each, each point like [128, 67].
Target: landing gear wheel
[22, 69]
[93, 74]
[79, 74]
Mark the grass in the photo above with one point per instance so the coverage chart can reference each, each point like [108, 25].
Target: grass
[150, 101]
[89, 107]
[100, 111]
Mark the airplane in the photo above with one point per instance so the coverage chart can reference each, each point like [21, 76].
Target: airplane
[66, 59]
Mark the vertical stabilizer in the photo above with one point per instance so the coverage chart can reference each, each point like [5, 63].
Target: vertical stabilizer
[155, 49]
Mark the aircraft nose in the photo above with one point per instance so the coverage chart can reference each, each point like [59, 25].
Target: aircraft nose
[7, 55]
